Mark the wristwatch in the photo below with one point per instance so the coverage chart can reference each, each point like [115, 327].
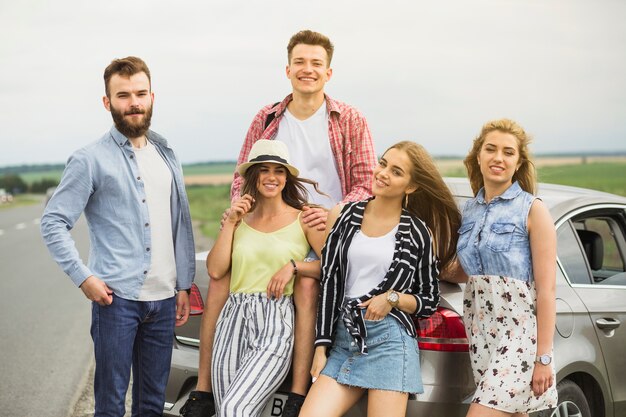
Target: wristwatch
[544, 359]
[393, 298]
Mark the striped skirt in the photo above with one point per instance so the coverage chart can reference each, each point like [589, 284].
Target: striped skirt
[251, 352]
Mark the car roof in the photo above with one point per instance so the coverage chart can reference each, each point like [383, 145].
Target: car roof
[560, 199]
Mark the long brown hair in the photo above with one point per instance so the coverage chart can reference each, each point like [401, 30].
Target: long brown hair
[526, 175]
[294, 194]
[432, 201]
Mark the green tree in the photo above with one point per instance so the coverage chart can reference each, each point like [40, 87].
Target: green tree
[41, 186]
[13, 183]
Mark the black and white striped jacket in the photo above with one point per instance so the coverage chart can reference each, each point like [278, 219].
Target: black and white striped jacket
[414, 270]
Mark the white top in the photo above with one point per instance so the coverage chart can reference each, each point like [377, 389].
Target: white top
[160, 282]
[369, 259]
[309, 150]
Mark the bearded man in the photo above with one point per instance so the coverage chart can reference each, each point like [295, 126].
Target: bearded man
[141, 265]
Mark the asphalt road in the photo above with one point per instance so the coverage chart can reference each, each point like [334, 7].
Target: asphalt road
[45, 346]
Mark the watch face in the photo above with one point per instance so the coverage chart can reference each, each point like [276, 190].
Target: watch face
[545, 359]
[393, 297]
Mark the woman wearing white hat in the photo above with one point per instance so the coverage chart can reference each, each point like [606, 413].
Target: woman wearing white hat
[262, 243]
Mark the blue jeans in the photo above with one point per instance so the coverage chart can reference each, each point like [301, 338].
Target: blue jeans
[138, 333]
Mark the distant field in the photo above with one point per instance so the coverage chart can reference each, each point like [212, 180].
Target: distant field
[599, 173]
[208, 185]
[197, 173]
[602, 176]
[209, 201]
[209, 169]
[609, 177]
[30, 177]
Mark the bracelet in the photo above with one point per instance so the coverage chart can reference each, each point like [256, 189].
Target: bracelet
[295, 268]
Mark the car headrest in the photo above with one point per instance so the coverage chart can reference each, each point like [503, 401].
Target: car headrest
[594, 249]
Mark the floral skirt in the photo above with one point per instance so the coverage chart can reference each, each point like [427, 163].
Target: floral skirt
[501, 323]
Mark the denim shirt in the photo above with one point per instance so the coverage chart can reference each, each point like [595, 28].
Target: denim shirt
[103, 181]
[493, 237]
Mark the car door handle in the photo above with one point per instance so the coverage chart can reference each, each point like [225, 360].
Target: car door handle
[608, 324]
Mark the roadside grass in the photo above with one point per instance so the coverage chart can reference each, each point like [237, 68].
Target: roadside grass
[207, 203]
[21, 200]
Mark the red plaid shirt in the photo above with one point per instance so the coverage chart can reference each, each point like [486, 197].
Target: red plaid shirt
[350, 141]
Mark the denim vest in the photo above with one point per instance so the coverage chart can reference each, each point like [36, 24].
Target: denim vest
[493, 238]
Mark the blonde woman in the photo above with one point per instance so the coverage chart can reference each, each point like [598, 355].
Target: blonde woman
[507, 248]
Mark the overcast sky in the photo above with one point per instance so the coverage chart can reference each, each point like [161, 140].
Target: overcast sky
[432, 72]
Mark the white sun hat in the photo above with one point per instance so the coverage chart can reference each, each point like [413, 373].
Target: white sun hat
[270, 151]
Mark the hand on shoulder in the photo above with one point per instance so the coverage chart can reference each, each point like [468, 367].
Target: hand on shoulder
[315, 217]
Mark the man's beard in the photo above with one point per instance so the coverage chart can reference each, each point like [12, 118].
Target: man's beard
[128, 128]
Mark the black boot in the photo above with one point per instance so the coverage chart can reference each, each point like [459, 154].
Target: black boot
[199, 404]
[293, 405]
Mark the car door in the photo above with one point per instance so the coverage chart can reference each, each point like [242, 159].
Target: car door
[598, 235]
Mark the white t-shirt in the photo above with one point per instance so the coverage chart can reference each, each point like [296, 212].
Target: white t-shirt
[369, 259]
[310, 152]
[160, 282]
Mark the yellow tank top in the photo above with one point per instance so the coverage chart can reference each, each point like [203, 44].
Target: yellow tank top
[257, 256]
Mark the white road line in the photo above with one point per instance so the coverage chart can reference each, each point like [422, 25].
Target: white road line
[36, 221]
[20, 226]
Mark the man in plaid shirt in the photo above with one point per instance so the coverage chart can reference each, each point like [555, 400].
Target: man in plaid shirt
[330, 142]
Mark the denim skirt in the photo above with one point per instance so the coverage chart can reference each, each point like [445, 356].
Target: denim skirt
[391, 364]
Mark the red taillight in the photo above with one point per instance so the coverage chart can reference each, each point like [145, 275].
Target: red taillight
[195, 300]
[443, 331]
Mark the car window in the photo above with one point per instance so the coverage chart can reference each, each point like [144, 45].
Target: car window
[571, 256]
[601, 235]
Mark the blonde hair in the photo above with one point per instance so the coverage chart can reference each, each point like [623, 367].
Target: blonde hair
[525, 175]
[432, 201]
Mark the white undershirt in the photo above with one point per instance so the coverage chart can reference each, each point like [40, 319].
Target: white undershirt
[369, 259]
[310, 152]
[160, 282]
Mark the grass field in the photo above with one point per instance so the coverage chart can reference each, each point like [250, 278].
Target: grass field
[209, 169]
[602, 176]
[195, 170]
[209, 184]
[609, 177]
[209, 201]
[30, 177]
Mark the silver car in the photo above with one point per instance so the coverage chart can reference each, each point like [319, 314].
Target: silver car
[589, 342]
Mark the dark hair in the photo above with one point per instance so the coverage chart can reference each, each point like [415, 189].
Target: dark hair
[294, 193]
[525, 175]
[432, 201]
[308, 37]
[124, 67]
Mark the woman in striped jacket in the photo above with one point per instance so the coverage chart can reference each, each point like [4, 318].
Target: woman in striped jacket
[380, 267]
